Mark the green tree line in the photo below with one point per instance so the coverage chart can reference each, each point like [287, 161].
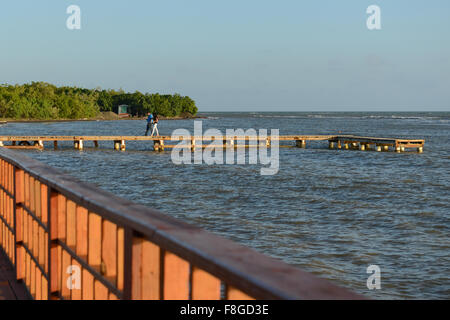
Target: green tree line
[40, 100]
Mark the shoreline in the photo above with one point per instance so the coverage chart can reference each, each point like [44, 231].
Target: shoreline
[5, 120]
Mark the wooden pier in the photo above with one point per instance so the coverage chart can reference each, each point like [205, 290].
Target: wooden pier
[346, 142]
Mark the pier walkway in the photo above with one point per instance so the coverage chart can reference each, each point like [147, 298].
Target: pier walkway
[160, 143]
[10, 289]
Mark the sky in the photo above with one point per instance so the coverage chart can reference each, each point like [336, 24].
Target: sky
[230, 55]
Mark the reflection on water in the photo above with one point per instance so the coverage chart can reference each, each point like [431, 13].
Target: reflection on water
[327, 211]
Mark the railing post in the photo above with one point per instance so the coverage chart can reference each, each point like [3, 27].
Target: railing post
[14, 221]
[127, 270]
[52, 253]
[18, 222]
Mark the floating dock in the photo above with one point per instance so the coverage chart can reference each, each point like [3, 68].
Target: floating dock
[346, 142]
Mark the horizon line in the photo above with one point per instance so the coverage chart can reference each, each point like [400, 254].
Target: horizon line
[200, 111]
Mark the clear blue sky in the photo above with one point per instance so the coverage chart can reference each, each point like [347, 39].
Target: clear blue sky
[251, 55]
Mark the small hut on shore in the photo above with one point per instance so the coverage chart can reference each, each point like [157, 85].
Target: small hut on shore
[123, 111]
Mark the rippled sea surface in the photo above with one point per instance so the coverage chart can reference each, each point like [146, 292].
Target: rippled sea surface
[330, 212]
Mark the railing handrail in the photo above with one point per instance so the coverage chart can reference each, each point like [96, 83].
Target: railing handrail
[254, 273]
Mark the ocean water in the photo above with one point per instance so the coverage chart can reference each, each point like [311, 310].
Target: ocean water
[330, 212]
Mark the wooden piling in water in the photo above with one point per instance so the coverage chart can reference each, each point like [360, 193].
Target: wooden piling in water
[227, 143]
[158, 145]
[78, 144]
[300, 143]
[119, 145]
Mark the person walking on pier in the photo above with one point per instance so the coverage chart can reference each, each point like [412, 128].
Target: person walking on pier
[149, 122]
[155, 125]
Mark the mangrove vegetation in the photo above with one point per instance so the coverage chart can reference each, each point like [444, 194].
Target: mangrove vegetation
[44, 101]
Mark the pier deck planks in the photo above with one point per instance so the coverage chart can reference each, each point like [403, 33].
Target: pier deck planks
[10, 289]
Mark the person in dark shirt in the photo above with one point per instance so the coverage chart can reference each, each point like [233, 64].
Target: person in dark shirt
[149, 122]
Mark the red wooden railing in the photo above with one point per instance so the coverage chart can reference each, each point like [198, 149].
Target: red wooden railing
[49, 221]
